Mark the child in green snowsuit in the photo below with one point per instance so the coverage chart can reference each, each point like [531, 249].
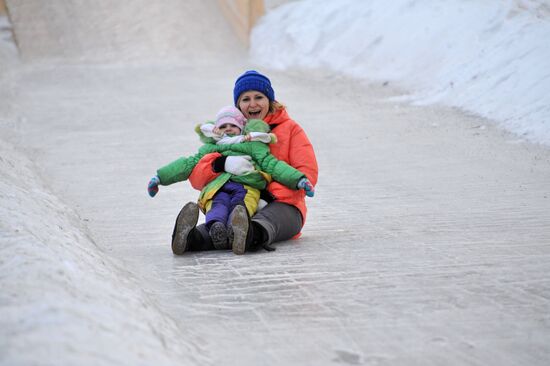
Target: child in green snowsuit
[232, 135]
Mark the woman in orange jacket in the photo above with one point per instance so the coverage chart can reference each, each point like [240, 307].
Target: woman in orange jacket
[285, 213]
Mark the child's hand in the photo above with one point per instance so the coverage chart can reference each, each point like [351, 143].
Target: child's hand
[153, 186]
[217, 131]
[306, 185]
[247, 138]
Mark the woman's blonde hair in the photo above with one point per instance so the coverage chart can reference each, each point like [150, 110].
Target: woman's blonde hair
[275, 106]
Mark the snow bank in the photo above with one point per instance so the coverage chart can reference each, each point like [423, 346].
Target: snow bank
[488, 57]
[119, 31]
[8, 51]
[61, 297]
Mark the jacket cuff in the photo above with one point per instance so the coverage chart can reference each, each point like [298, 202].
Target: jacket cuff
[218, 165]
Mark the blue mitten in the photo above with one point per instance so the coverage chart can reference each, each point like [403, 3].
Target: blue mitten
[306, 185]
[153, 186]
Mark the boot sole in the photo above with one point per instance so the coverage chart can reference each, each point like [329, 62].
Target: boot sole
[239, 225]
[186, 221]
[219, 238]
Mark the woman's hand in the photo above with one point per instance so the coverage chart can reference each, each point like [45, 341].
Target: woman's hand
[238, 165]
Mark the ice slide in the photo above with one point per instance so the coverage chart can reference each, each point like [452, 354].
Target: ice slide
[439, 254]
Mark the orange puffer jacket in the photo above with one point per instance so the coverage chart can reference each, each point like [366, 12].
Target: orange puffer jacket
[292, 146]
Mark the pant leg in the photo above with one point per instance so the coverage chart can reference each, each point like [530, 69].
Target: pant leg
[221, 206]
[280, 222]
[237, 192]
[200, 240]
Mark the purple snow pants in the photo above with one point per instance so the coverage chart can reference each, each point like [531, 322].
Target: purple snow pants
[225, 200]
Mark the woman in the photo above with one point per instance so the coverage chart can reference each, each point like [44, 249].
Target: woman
[285, 214]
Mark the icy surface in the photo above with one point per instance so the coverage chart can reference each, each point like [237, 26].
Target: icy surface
[427, 241]
[120, 32]
[63, 301]
[491, 57]
[8, 51]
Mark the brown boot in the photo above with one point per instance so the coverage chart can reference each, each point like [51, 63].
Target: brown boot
[185, 223]
[238, 229]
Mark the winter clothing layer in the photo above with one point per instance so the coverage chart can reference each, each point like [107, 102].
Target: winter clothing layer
[265, 162]
[230, 195]
[293, 147]
[231, 115]
[254, 130]
[279, 221]
[253, 80]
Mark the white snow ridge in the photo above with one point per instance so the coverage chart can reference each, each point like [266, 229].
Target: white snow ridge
[487, 57]
[63, 301]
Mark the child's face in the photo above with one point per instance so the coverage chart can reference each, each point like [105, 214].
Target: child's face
[229, 129]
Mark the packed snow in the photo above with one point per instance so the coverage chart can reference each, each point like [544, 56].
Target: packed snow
[8, 51]
[491, 58]
[63, 299]
[60, 289]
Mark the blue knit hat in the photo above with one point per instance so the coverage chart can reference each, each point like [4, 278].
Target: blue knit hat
[253, 80]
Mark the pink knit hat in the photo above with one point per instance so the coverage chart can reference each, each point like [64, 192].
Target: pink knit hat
[232, 116]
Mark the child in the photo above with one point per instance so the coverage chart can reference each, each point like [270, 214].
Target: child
[230, 135]
[228, 127]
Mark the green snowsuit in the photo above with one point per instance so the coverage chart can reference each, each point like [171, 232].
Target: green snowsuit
[267, 167]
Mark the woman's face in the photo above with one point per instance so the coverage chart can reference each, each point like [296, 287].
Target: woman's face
[253, 104]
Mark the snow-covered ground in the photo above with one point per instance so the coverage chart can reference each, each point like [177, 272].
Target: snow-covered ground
[8, 51]
[63, 299]
[491, 58]
[440, 252]
[59, 290]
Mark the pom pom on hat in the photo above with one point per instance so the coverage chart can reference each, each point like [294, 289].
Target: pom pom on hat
[253, 80]
[230, 115]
